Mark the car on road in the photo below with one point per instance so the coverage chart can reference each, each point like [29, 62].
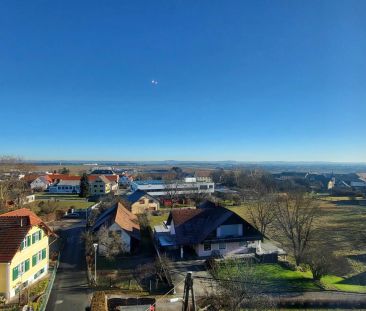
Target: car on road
[72, 215]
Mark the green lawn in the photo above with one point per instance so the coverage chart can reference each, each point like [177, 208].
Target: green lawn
[337, 283]
[284, 279]
[157, 220]
[76, 204]
[274, 277]
[48, 196]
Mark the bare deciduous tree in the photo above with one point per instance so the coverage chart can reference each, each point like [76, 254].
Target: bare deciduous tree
[321, 260]
[295, 215]
[111, 243]
[171, 190]
[239, 287]
[262, 212]
[11, 187]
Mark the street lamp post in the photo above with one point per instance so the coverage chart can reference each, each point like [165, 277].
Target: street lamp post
[95, 262]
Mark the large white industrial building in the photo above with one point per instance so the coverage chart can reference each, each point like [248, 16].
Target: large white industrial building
[179, 187]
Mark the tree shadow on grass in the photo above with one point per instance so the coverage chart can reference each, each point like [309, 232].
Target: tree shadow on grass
[358, 279]
[292, 285]
[360, 257]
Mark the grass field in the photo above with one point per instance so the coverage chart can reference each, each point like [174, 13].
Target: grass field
[49, 196]
[339, 225]
[275, 278]
[157, 220]
[60, 205]
[272, 277]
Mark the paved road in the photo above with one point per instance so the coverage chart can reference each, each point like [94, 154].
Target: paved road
[70, 291]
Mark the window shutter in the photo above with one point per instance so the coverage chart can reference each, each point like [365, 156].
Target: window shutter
[34, 260]
[27, 265]
[29, 241]
[40, 235]
[15, 273]
[33, 238]
[22, 245]
[43, 253]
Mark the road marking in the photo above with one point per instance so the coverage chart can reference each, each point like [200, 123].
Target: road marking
[58, 302]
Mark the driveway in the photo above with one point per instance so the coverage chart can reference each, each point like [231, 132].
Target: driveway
[70, 291]
[179, 269]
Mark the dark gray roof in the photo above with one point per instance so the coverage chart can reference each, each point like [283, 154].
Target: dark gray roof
[208, 204]
[135, 196]
[102, 172]
[193, 226]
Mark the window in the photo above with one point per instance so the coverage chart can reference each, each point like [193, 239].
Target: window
[151, 201]
[222, 245]
[206, 246]
[40, 272]
[26, 242]
[36, 258]
[20, 269]
[142, 201]
[36, 236]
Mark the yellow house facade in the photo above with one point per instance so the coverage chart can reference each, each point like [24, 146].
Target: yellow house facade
[24, 255]
[100, 185]
[141, 202]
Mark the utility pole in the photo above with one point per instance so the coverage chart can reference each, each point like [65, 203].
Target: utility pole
[188, 288]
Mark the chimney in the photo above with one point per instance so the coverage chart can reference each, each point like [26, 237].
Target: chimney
[23, 221]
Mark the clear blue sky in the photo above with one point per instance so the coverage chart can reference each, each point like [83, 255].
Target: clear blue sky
[241, 80]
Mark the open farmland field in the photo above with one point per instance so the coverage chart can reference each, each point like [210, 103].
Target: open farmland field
[340, 225]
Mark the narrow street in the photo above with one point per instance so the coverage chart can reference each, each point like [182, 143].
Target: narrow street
[70, 290]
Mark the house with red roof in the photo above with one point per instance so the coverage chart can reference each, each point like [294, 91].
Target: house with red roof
[41, 183]
[123, 223]
[24, 250]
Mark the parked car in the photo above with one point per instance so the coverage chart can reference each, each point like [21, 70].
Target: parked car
[72, 215]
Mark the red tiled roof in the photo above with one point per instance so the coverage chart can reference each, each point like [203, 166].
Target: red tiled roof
[31, 177]
[180, 216]
[125, 219]
[14, 227]
[24, 212]
[64, 177]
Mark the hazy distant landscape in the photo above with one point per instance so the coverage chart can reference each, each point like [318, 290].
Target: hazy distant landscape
[273, 167]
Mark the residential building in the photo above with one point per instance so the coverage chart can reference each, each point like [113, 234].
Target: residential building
[203, 176]
[107, 171]
[58, 177]
[24, 250]
[210, 231]
[66, 186]
[41, 183]
[178, 187]
[110, 181]
[140, 202]
[120, 220]
[100, 185]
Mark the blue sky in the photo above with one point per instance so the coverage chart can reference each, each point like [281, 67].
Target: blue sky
[240, 80]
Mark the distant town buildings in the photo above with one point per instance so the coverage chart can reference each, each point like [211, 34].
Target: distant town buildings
[180, 187]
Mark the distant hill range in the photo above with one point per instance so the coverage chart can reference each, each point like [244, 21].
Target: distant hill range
[271, 166]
